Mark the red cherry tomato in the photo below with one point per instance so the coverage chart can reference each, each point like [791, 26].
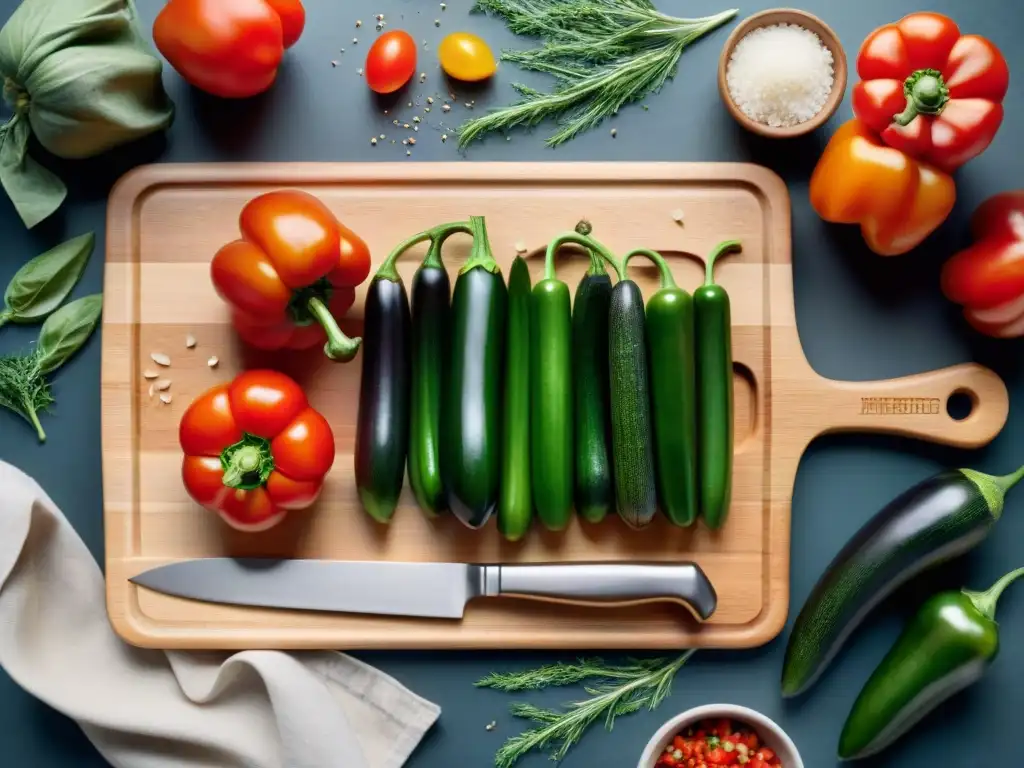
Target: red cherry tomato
[391, 61]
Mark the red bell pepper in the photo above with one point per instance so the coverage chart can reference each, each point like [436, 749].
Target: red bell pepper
[988, 277]
[929, 91]
[294, 269]
[254, 449]
[229, 48]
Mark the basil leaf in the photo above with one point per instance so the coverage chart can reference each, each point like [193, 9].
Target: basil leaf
[66, 330]
[41, 285]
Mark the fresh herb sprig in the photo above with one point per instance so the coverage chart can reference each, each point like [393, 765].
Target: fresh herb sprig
[42, 284]
[618, 690]
[24, 388]
[603, 54]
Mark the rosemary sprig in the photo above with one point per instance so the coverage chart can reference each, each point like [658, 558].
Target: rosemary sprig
[603, 54]
[620, 690]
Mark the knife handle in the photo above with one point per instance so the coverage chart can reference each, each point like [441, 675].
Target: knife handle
[606, 584]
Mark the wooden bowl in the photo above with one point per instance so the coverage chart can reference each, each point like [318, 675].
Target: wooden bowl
[828, 38]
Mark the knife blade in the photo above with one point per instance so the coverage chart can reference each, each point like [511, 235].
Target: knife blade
[434, 590]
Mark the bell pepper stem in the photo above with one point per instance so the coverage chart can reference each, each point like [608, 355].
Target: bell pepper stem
[729, 246]
[667, 280]
[986, 601]
[339, 346]
[927, 94]
[248, 463]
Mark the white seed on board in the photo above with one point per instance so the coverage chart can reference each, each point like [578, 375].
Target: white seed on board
[149, 373]
[190, 341]
[166, 398]
[520, 247]
[151, 391]
[160, 359]
[677, 215]
[162, 385]
[213, 361]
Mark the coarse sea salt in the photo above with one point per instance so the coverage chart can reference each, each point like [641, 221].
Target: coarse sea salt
[780, 75]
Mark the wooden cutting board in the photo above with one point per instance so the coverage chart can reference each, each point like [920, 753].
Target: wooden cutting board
[164, 224]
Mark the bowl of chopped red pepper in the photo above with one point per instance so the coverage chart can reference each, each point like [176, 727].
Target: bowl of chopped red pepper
[720, 734]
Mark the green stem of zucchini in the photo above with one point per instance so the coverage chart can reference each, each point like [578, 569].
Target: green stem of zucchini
[481, 255]
[587, 242]
[667, 281]
[436, 235]
[729, 246]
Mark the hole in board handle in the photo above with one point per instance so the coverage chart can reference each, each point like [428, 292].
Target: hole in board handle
[961, 404]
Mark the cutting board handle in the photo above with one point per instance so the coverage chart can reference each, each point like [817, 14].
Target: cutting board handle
[916, 406]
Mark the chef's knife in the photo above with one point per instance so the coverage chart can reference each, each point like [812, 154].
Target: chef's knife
[438, 590]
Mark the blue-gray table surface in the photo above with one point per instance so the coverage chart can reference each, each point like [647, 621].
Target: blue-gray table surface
[860, 317]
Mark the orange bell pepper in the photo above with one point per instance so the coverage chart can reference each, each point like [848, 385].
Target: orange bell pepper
[294, 270]
[896, 200]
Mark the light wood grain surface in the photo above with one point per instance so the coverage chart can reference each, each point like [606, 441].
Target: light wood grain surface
[165, 223]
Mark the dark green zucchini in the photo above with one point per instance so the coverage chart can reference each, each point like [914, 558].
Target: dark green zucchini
[431, 294]
[632, 446]
[471, 404]
[932, 522]
[594, 484]
[382, 425]
[515, 507]
[670, 346]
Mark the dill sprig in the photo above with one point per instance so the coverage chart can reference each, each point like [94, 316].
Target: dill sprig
[603, 54]
[619, 690]
[24, 389]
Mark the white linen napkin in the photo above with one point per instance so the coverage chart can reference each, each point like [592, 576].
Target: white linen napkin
[156, 709]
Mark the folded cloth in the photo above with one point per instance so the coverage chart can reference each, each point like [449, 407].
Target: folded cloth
[156, 709]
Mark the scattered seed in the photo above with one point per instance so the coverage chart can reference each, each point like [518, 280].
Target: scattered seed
[334, 63]
[341, 50]
[405, 141]
[446, 108]
[491, 725]
[443, 6]
[162, 385]
[383, 136]
[385, 111]
[190, 341]
[430, 99]
[416, 119]
[380, 17]
[149, 373]
[444, 137]
[437, 22]
[359, 71]
[646, 108]
[409, 105]
[166, 398]
[379, 26]
[151, 391]
[423, 76]
[405, 125]
[407, 153]
[415, 127]
[412, 141]
[468, 105]
[520, 247]
[160, 359]
[373, 141]
[426, 109]
[615, 132]
[359, 24]
[677, 215]
[394, 122]
[355, 40]
[213, 362]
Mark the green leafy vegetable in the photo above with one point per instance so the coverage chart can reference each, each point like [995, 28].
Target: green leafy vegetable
[618, 690]
[603, 54]
[39, 287]
[23, 385]
[66, 330]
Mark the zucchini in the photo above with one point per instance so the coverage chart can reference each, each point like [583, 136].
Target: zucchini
[471, 403]
[670, 346]
[551, 407]
[934, 521]
[515, 506]
[431, 294]
[632, 448]
[594, 486]
[713, 326]
[382, 425]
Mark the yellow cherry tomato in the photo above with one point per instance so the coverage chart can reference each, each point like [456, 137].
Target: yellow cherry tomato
[466, 57]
